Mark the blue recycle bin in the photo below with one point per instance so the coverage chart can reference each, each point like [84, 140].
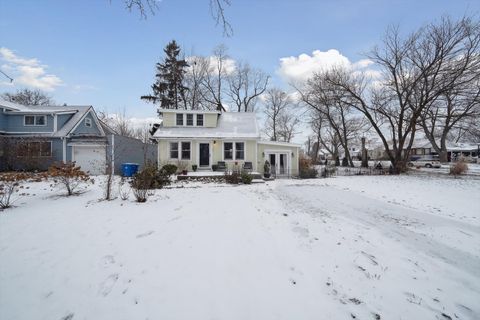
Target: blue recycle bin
[129, 169]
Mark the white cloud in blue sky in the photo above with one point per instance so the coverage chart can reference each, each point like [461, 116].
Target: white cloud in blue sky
[300, 68]
[28, 72]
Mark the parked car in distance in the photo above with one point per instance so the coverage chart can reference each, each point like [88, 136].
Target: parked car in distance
[424, 162]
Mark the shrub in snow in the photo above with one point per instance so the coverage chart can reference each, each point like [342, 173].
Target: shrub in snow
[247, 177]
[122, 190]
[147, 179]
[458, 168]
[170, 169]
[307, 171]
[182, 166]
[232, 178]
[266, 169]
[140, 184]
[68, 175]
[9, 183]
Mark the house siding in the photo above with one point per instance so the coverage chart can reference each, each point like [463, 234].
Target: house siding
[170, 119]
[3, 120]
[216, 151]
[15, 124]
[84, 130]
[210, 120]
[164, 154]
[62, 119]
[130, 150]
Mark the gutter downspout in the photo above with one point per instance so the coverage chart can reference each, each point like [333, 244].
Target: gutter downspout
[64, 140]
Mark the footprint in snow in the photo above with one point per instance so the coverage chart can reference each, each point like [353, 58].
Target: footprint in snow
[301, 231]
[146, 234]
[107, 285]
[108, 260]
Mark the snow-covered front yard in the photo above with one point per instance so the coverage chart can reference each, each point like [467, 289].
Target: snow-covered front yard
[405, 247]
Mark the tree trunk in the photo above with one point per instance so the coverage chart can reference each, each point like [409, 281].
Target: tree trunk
[364, 154]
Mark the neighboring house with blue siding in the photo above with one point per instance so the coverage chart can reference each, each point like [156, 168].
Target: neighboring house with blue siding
[33, 137]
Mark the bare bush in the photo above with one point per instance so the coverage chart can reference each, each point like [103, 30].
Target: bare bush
[459, 168]
[68, 175]
[123, 191]
[9, 183]
[307, 171]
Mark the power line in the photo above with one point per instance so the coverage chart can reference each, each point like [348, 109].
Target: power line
[6, 75]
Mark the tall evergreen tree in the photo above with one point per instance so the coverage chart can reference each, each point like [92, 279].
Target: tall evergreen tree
[168, 89]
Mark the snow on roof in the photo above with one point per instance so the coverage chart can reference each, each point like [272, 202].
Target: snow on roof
[462, 146]
[229, 125]
[279, 143]
[11, 105]
[187, 111]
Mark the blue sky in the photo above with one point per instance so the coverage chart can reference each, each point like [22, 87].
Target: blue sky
[95, 52]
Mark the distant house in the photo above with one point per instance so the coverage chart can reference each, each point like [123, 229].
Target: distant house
[213, 138]
[422, 148]
[33, 137]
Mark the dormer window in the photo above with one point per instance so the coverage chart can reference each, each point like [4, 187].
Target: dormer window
[200, 120]
[88, 122]
[36, 120]
[189, 119]
[179, 119]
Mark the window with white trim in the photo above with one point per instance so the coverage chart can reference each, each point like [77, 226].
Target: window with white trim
[199, 120]
[88, 122]
[189, 119]
[179, 117]
[35, 120]
[180, 150]
[228, 150]
[173, 150]
[186, 150]
[239, 151]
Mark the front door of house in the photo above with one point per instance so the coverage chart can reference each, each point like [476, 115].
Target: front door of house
[204, 155]
[280, 165]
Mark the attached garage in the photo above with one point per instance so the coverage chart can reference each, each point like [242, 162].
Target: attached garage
[91, 158]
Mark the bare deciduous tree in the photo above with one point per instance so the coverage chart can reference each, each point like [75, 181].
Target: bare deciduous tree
[246, 84]
[454, 109]
[194, 80]
[288, 126]
[275, 104]
[119, 122]
[216, 77]
[217, 9]
[340, 117]
[29, 97]
[417, 70]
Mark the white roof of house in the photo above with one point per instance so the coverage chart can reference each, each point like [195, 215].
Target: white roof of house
[229, 125]
[280, 143]
[187, 111]
[12, 105]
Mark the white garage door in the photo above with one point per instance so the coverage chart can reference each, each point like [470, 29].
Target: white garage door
[90, 158]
